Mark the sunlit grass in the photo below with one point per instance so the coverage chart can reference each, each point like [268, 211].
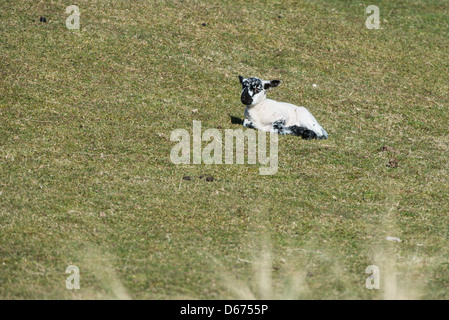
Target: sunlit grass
[85, 171]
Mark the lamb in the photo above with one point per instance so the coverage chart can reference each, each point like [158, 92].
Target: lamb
[273, 116]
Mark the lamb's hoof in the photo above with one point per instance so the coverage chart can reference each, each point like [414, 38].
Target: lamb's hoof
[324, 137]
[235, 120]
[309, 135]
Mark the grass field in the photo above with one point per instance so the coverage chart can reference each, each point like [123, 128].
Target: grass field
[85, 171]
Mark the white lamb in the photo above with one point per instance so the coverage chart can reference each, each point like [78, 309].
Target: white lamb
[273, 116]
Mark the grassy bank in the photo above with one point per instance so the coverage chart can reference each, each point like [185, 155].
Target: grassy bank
[85, 171]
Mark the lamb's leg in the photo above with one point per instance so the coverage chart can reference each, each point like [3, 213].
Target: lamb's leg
[244, 122]
[279, 127]
[248, 124]
[235, 120]
[301, 132]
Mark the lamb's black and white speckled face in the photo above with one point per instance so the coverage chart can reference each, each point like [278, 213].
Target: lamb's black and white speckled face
[254, 89]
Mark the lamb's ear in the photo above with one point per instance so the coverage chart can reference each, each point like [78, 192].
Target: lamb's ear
[275, 83]
[271, 84]
[241, 79]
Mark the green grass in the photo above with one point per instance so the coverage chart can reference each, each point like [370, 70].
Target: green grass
[86, 176]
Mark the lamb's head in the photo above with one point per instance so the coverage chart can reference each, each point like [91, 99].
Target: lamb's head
[255, 89]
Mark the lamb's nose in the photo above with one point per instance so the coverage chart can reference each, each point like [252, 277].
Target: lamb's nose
[246, 100]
